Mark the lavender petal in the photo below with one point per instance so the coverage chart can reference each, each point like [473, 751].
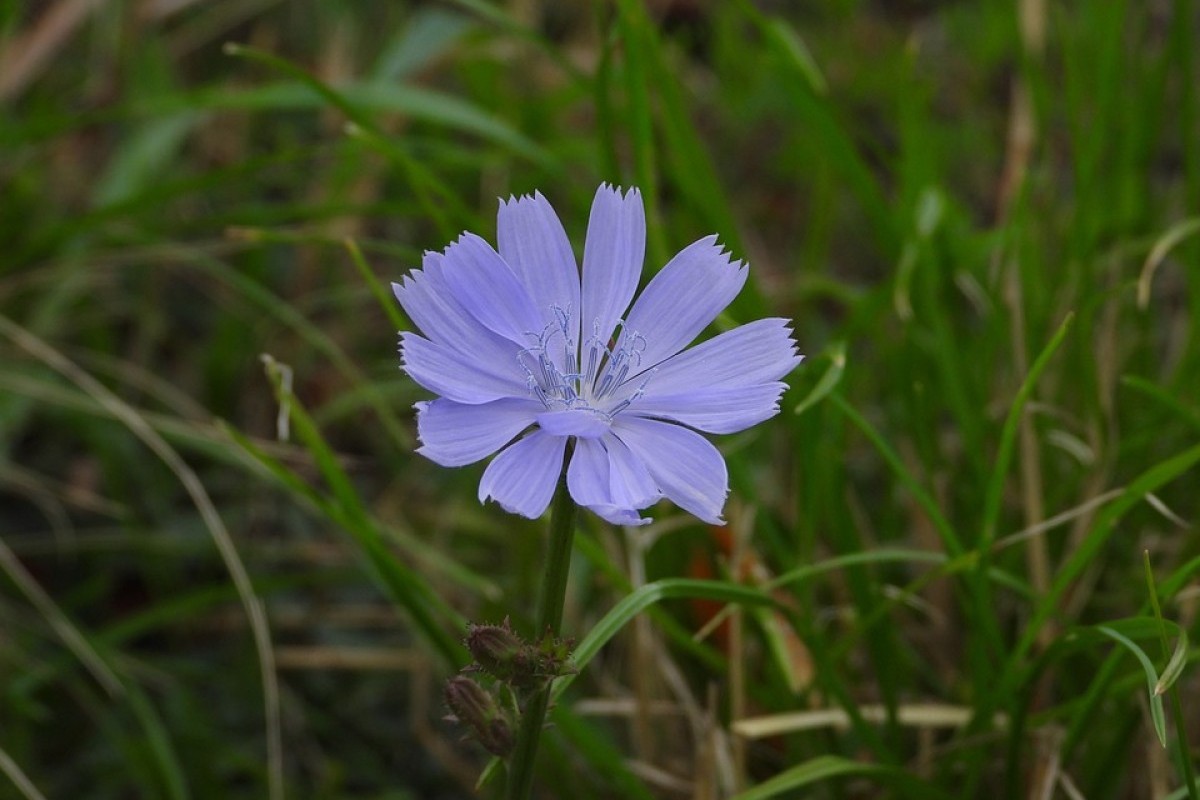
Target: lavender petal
[489, 290]
[713, 410]
[452, 374]
[612, 258]
[453, 434]
[532, 241]
[758, 352]
[685, 465]
[682, 299]
[522, 478]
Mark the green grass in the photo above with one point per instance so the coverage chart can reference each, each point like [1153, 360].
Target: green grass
[997, 428]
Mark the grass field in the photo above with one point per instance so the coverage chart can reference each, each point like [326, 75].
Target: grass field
[962, 562]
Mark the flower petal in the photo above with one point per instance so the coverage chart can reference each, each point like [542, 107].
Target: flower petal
[578, 422]
[429, 302]
[522, 478]
[490, 291]
[629, 481]
[612, 259]
[685, 465]
[446, 371]
[758, 352]
[682, 299]
[453, 434]
[590, 482]
[713, 410]
[619, 515]
[587, 474]
[532, 241]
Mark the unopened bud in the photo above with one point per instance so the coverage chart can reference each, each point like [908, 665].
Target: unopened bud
[476, 708]
[498, 738]
[496, 649]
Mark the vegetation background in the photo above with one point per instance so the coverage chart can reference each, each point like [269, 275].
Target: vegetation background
[226, 573]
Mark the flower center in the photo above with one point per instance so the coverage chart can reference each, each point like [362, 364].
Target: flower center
[560, 383]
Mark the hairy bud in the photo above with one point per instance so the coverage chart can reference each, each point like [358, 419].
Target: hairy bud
[476, 708]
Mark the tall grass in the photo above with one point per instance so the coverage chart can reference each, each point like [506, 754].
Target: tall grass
[227, 574]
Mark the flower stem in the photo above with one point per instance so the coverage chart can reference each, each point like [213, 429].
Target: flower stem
[549, 618]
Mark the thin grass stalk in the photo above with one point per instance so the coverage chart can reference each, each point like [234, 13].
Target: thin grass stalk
[251, 602]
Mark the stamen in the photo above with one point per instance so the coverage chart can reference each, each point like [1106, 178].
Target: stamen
[593, 358]
[562, 316]
[548, 370]
[619, 363]
[641, 391]
[607, 368]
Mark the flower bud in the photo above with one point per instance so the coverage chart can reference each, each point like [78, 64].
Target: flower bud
[496, 649]
[476, 708]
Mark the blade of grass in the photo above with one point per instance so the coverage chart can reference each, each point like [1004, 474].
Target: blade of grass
[404, 585]
[385, 300]
[1014, 672]
[644, 597]
[677, 633]
[274, 305]
[995, 491]
[1144, 484]
[252, 605]
[829, 135]
[1176, 234]
[1166, 681]
[825, 768]
[1156, 704]
[352, 98]
[603, 755]
[1189, 415]
[58, 621]
[949, 538]
[635, 39]
[1008, 439]
[161, 747]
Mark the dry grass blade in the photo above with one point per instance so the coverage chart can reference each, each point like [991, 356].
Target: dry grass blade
[1162, 247]
[916, 715]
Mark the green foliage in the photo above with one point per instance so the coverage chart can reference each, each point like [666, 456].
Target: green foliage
[225, 582]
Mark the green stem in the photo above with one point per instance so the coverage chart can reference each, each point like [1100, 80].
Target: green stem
[549, 618]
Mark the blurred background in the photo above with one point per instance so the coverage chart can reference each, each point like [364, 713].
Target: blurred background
[226, 573]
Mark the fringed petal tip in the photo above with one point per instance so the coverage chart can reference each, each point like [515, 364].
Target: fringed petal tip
[621, 192]
[518, 200]
[721, 250]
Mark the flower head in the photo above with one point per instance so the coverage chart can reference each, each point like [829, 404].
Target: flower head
[526, 355]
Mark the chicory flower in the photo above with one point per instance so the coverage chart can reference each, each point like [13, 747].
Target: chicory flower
[526, 356]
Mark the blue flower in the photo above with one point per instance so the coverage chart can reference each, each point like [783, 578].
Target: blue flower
[525, 356]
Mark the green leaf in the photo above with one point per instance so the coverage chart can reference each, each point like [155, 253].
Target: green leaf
[644, 597]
